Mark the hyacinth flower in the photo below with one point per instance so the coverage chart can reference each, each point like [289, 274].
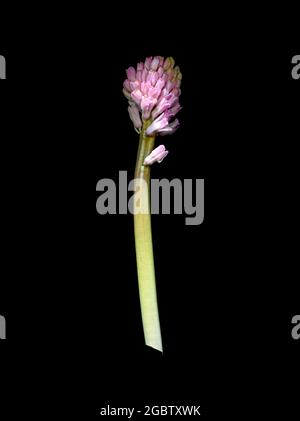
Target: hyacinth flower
[152, 90]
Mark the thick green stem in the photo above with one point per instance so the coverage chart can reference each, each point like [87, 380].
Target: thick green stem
[143, 245]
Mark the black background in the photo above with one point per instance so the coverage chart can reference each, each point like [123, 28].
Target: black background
[227, 288]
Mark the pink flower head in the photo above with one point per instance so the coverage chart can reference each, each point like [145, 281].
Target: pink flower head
[154, 88]
[157, 155]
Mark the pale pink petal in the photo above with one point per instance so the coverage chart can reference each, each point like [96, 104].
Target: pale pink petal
[157, 155]
[155, 63]
[126, 85]
[144, 75]
[154, 92]
[131, 73]
[170, 85]
[165, 77]
[162, 106]
[170, 129]
[175, 109]
[145, 88]
[158, 124]
[160, 84]
[147, 105]
[162, 157]
[160, 72]
[137, 96]
[135, 115]
[152, 78]
[134, 85]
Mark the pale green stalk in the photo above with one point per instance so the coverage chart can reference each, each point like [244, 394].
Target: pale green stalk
[143, 245]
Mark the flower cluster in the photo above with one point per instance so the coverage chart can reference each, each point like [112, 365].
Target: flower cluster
[153, 91]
